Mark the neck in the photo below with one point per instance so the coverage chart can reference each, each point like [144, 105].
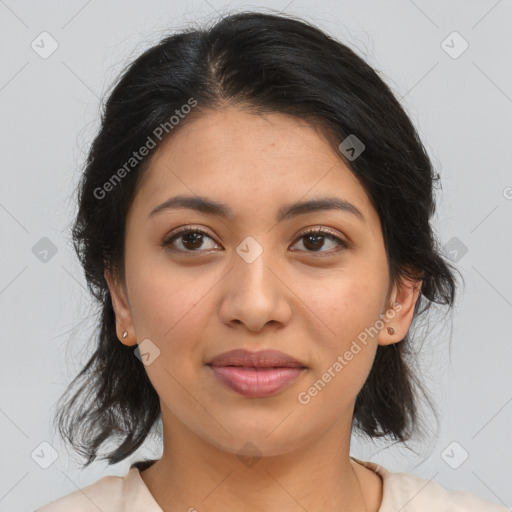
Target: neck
[195, 475]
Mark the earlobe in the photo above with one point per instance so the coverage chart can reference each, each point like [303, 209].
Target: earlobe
[398, 318]
[124, 324]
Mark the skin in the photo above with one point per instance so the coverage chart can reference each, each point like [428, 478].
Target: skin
[309, 304]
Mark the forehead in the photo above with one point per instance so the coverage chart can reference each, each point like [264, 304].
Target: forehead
[250, 160]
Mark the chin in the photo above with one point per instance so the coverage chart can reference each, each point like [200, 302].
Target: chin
[255, 443]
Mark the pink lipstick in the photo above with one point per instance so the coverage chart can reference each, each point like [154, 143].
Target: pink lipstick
[256, 374]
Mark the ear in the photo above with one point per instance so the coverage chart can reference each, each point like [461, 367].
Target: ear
[400, 310]
[124, 322]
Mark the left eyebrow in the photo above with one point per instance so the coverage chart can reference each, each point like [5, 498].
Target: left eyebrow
[320, 204]
[211, 207]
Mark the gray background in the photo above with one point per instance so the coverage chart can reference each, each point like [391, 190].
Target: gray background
[461, 104]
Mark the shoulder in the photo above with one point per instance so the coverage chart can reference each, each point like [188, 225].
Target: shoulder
[106, 493]
[112, 493]
[410, 493]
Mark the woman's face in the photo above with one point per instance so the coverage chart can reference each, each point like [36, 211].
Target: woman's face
[255, 281]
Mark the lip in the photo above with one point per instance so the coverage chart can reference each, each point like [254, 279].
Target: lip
[256, 374]
[259, 359]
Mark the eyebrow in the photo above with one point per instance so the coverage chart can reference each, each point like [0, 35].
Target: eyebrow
[209, 206]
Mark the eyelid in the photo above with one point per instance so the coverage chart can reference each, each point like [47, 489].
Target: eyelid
[323, 229]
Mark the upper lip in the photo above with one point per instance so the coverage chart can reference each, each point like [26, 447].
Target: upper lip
[260, 359]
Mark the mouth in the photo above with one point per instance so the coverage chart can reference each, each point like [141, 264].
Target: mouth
[256, 374]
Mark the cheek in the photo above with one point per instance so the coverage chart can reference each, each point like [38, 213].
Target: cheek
[168, 303]
[345, 356]
[345, 343]
[347, 305]
[170, 309]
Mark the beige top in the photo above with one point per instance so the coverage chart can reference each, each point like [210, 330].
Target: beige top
[401, 492]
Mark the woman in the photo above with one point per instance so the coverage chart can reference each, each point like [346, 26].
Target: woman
[254, 223]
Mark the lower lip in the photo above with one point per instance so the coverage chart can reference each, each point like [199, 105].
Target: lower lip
[256, 383]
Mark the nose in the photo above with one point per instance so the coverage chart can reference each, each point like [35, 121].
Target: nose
[255, 294]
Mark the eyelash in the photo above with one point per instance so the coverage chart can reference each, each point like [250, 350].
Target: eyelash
[323, 232]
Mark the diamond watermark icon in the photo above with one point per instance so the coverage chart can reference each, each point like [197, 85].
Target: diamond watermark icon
[454, 45]
[147, 352]
[249, 455]
[44, 455]
[249, 249]
[454, 249]
[44, 45]
[351, 147]
[44, 250]
[454, 455]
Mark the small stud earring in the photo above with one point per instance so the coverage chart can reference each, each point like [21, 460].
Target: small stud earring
[391, 330]
[125, 334]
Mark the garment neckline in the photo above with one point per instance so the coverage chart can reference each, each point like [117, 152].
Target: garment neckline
[137, 467]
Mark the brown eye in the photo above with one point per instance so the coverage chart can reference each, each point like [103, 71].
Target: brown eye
[190, 239]
[315, 240]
